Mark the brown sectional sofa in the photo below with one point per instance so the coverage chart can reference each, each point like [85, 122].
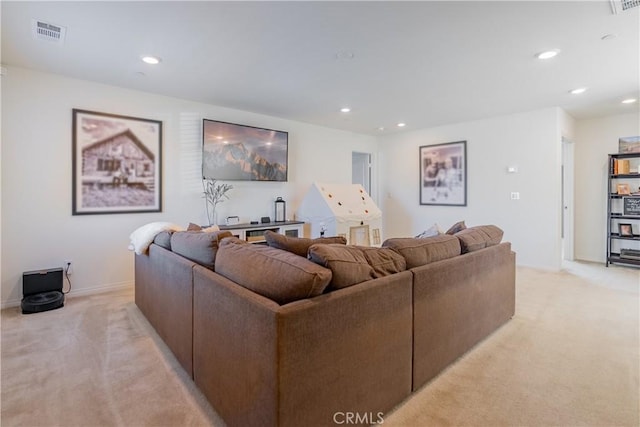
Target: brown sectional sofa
[311, 358]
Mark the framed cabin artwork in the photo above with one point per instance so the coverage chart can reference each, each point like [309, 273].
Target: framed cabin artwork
[116, 164]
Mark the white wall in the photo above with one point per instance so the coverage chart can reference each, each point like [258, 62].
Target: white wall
[595, 139]
[531, 141]
[38, 230]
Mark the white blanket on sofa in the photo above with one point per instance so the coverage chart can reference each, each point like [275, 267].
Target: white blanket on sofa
[143, 236]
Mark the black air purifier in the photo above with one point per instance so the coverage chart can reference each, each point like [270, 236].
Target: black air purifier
[42, 290]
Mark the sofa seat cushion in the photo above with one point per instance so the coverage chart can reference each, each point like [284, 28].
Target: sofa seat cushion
[273, 273]
[351, 265]
[479, 237]
[198, 246]
[298, 245]
[417, 252]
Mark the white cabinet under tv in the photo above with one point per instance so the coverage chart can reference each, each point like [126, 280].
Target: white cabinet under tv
[254, 233]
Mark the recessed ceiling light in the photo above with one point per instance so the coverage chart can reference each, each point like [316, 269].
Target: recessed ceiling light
[401, 125]
[345, 54]
[153, 60]
[345, 109]
[608, 37]
[629, 101]
[578, 91]
[548, 54]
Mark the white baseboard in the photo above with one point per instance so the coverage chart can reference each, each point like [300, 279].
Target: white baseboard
[80, 292]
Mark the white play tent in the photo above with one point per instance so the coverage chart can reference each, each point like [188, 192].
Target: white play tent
[342, 210]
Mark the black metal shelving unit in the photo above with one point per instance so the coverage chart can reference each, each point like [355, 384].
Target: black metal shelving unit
[616, 214]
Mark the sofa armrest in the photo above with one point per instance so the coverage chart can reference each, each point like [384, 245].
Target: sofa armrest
[235, 350]
[164, 294]
[346, 351]
[262, 364]
[457, 303]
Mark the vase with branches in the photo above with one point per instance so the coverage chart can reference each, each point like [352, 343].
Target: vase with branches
[214, 193]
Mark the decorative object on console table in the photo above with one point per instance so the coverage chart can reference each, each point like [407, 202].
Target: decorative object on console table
[281, 210]
[623, 208]
[214, 193]
[232, 220]
[443, 174]
[116, 164]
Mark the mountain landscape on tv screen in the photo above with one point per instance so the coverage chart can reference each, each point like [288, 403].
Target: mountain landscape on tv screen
[236, 162]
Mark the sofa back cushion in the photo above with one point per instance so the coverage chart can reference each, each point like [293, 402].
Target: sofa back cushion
[273, 273]
[350, 264]
[163, 239]
[479, 237]
[298, 245]
[198, 246]
[417, 252]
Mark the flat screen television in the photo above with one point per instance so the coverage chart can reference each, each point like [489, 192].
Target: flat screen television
[233, 152]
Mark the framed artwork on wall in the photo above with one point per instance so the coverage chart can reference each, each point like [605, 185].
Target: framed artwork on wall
[443, 174]
[117, 164]
[625, 230]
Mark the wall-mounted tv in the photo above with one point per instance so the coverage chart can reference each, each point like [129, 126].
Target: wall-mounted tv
[243, 153]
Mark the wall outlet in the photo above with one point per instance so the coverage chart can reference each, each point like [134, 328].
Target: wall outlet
[515, 195]
[67, 267]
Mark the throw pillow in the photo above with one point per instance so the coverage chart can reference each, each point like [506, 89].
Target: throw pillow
[273, 273]
[164, 239]
[417, 252]
[196, 227]
[479, 237]
[434, 230]
[351, 265]
[298, 245]
[384, 261]
[458, 226]
[197, 246]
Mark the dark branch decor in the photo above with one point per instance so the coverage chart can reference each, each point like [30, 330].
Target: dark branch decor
[443, 174]
[116, 164]
[214, 193]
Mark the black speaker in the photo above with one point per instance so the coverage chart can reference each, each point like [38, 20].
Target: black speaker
[42, 290]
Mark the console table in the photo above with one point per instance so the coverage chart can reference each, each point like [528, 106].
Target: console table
[254, 233]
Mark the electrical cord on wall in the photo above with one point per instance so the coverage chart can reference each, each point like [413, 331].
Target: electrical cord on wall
[66, 274]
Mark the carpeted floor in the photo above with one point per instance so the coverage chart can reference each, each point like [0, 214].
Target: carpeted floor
[569, 357]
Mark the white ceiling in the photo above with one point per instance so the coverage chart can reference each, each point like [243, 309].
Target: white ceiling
[424, 63]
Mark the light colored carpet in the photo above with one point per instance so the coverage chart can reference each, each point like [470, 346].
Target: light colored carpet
[569, 357]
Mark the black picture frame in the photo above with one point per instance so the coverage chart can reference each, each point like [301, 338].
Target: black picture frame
[625, 230]
[631, 206]
[117, 164]
[443, 174]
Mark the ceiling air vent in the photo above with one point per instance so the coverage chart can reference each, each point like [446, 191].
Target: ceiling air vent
[51, 32]
[618, 6]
